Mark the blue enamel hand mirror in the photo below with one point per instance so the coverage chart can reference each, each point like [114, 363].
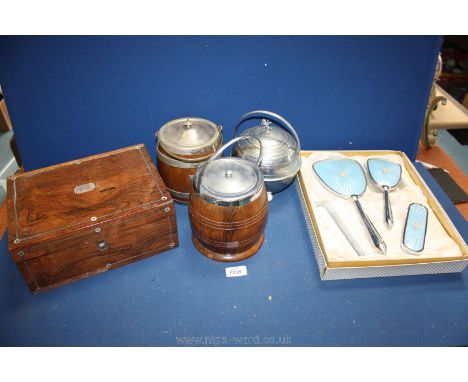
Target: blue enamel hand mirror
[345, 178]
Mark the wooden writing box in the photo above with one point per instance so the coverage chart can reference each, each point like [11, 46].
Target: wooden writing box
[84, 217]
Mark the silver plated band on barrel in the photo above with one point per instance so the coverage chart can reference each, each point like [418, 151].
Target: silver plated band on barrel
[174, 162]
[181, 195]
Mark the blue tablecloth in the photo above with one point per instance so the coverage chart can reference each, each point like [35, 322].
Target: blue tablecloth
[182, 298]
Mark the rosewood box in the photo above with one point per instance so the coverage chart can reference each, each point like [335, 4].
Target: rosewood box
[81, 218]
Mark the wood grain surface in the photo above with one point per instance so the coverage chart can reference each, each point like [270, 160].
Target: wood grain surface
[3, 218]
[121, 243]
[178, 178]
[61, 229]
[5, 121]
[44, 203]
[437, 157]
[228, 233]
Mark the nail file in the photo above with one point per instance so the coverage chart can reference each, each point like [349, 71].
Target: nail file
[414, 234]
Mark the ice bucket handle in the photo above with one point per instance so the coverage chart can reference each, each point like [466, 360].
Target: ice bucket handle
[270, 115]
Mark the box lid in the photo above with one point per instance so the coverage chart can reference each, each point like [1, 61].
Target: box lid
[59, 200]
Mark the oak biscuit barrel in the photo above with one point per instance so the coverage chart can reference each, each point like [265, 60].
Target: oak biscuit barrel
[229, 207]
[183, 145]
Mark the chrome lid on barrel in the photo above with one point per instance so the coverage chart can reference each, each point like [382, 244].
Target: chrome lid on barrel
[229, 180]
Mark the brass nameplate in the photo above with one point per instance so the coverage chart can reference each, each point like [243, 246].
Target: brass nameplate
[81, 189]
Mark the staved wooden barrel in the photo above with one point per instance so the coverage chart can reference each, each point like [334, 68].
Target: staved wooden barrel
[228, 233]
[177, 174]
[228, 207]
[183, 145]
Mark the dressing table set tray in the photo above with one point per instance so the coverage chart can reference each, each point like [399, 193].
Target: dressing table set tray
[370, 214]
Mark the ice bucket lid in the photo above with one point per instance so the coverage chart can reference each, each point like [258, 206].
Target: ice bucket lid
[279, 147]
